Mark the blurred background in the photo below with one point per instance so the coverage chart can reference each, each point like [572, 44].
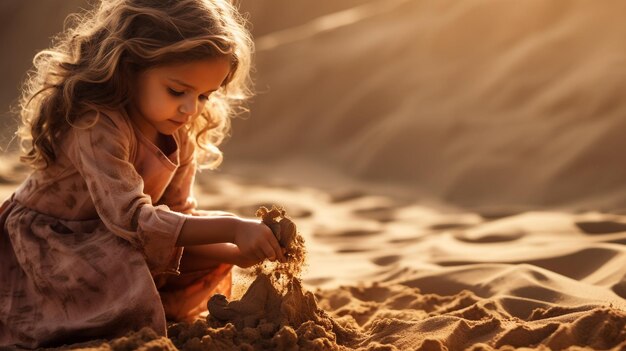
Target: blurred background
[481, 103]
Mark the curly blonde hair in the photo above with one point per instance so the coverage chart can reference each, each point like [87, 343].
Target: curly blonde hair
[94, 62]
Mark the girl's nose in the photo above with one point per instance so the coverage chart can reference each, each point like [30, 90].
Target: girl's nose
[189, 108]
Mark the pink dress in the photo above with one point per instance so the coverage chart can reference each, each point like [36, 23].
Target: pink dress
[87, 244]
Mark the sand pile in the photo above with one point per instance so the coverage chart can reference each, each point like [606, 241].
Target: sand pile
[266, 319]
[388, 317]
[275, 313]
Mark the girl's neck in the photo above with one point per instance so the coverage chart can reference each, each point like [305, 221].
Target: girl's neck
[162, 141]
[166, 144]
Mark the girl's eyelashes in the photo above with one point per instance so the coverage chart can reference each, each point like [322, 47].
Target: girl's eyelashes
[175, 92]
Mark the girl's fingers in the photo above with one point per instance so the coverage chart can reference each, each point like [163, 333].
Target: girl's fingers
[266, 246]
[259, 254]
[274, 248]
[278, 252]
[268, 251]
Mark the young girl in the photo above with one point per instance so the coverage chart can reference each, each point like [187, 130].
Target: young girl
[104, 236]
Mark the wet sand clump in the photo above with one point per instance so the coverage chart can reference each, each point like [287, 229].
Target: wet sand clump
[266, 319]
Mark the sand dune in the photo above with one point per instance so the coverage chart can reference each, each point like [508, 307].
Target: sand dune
[479, 102]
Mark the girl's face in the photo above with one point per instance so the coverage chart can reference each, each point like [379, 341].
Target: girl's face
[168, 97]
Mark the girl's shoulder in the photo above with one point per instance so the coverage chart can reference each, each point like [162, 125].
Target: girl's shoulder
[94, 121]
[106, 129]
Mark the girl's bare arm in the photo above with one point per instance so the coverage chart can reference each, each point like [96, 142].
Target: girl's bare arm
[254, 239]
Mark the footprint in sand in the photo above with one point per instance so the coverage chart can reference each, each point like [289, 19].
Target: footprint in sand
[386, 260]
[487, 238]
[620, 288]
[349, 250]
[343, 234]
[448, 226]
[601, 227]
[522, 335]
[409, 240]
[491, 215]
[382, 214]
[345, 195]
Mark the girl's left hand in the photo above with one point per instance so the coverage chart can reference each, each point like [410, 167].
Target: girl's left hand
[257, 241]
[244, 261]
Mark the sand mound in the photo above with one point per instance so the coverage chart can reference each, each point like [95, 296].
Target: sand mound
[406, 318]
[390, 317]
[265, 319]
[476, 102]
[274, 313]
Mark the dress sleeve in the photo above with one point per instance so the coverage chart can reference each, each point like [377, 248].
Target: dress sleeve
[101, 154]
[178, 195]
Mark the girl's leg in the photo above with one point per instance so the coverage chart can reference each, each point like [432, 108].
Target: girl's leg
[204, 272]
[195, 263]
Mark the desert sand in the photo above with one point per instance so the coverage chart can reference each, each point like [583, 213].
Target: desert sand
[384, 274]
[453, 168]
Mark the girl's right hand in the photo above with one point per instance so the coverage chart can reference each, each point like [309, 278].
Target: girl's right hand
[256, 241]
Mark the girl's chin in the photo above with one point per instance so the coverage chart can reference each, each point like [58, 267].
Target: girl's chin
[170, 128]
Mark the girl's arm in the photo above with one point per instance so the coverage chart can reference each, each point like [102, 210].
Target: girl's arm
[101, 154]
[202, 257]
[254, 239]
[179, 197]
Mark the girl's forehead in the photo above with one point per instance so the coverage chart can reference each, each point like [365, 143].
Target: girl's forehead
[201, 74]
[194, 66]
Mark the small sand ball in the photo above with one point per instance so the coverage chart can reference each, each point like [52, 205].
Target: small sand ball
[193, 344]
[310, 331]
[251, 334]
[138, 339]
[267, 328]
[245, 347]
[215, 339]
[285, 339]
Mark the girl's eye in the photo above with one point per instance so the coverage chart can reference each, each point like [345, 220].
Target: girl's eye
[175, 92]
[203, 97]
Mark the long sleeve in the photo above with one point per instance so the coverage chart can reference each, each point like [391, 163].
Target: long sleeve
[101, 154]
[179, 196]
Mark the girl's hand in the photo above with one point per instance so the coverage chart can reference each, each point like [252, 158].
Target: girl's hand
[256, 242]
[245, 262]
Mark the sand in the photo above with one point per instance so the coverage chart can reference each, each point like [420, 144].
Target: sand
[479, 103]
[453, 167]
[384, 274]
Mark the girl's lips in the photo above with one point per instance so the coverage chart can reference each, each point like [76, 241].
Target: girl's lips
[176, 122]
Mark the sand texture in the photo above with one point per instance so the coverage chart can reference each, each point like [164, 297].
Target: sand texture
[479, 102]
[454, 168]
[384, 274]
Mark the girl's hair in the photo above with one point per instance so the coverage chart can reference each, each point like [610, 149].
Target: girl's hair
[94, 63]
